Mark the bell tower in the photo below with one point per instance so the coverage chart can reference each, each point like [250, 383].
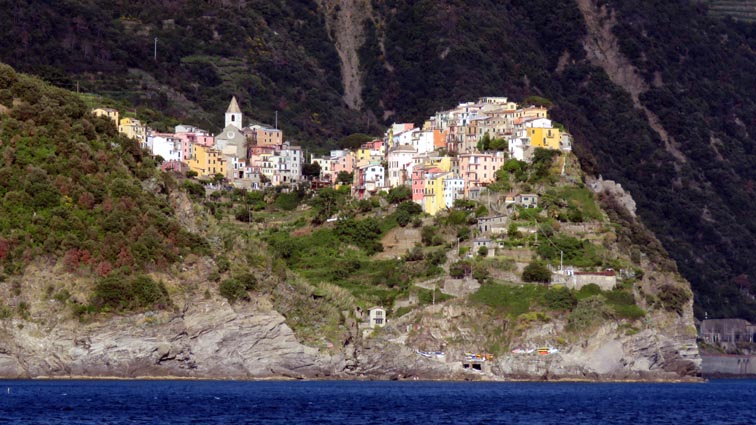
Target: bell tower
[234, 114]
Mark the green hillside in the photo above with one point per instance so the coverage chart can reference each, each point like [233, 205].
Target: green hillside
[695, 75]
[73, 189]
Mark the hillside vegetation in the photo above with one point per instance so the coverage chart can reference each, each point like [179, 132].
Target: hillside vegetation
[690, 169]
[76, 191]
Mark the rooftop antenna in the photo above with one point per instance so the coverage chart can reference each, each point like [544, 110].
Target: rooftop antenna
[276, 120]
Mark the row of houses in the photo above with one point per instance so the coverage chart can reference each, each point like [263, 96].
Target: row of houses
[251, 156]
[442, 161]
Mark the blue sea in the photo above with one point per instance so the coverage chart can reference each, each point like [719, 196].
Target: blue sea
[348, 402]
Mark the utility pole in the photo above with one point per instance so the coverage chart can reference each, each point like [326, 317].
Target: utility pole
[276, 120]
[77, 87]
[155, 51]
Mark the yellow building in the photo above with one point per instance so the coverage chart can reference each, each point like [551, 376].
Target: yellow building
[363, 155]
[107, 112]
[433, 199]
[544, 137]
[444, 163]
[533, 112]
[132, 127]
[207, 161]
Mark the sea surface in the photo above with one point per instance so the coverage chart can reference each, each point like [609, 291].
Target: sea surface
[348, 402]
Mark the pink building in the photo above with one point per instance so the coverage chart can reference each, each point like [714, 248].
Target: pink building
[479, 169]
[198, 137]
[346, 163]
[418, 182]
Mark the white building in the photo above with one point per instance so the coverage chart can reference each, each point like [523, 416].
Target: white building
[290, 164]
[166, 145]
[454, 188]
[422, 141]
[400, 164]
[376, 317]
[520, 149]
[404, 137]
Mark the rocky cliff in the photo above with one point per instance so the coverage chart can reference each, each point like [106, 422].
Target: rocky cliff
[203, 338]
[210, 339]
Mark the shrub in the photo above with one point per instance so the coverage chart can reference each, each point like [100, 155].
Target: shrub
[560, 299]
[589, 290]
[459, 269]
[630, 312]
[483, 251]
[463, 232]
[287, 201]
[414, 254]
[588, 313]
[243, 214]
[428, 236]
[363, 233]
[411, 208]
[223, 264]
[536, 272]
[248, 280]
[673, 298]
[619, 298]
[233, 290]
[436, 257]
[119, 292]
[403, 218]
[399, 194]
[480, 273]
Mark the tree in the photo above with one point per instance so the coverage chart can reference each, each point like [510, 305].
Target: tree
[484, 143]
[218, 178]
[353, 141]
[483, 251]
[399, 194]
[498, 144]
[410, 208]
[326, 203]
[537, 101]
[536, 272]
[512, 231]
[311, 170]
[344, 177]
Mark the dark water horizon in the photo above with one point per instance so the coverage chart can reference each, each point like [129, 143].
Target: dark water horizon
[373, 402]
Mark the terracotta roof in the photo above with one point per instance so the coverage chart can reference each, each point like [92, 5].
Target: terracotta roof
[604, 273]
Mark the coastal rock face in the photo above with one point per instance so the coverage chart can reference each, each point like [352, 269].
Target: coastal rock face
[643, 356]
[210, 339]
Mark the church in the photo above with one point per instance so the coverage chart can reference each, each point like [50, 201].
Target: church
[257, 154]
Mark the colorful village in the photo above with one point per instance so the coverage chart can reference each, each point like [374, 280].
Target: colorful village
[454, 155]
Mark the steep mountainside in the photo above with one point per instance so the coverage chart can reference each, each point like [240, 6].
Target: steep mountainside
[113, 268]
[659, 95]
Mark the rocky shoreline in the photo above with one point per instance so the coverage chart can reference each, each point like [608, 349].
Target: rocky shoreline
[213, 340]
